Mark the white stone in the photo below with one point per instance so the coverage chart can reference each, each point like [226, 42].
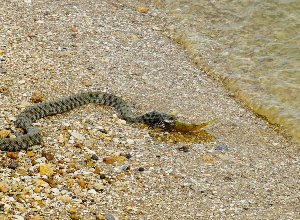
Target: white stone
[77, 135]
[91, 191]
[55, 191]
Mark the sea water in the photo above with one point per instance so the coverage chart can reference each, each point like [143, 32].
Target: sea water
[253, 46]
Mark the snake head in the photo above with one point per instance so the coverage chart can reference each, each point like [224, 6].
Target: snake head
[158, 120]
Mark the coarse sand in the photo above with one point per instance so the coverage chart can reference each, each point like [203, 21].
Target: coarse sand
[92, 165]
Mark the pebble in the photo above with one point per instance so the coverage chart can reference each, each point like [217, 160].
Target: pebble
[12, 165]
[125, 167]
[55, 191]
[141, 169]
[95, 157]
[77, 135]
[110, 216]
[18, 217]
[2, 70]
[184, 149]
[21, 81]
[221, 148]
[91, 191]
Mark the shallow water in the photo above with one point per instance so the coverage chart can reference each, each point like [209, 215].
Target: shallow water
[252, 45]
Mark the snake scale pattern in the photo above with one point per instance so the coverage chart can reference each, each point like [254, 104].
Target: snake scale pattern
[32, 113]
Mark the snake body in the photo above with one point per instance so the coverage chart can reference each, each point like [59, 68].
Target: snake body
[32, 113]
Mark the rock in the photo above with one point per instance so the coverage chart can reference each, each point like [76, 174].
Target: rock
[208, 159]
[142, 9]
[81, 183]
[141, 169]
[100, 217]
[4, 90]
[184, 149]
[46, 169]
[4, 133]
[91, 191]
[2, 70]
[37, 97]
[113, 159]
[98, 187]
[95, 157]
[221, 148]
[4, 187]
[12, 165]
[55, 191]
[12, 155]
[110, 216]
[128, 156]
[77, 135]
[18, 217]
[125, 167]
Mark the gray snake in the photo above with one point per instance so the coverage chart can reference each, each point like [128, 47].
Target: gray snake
[32, 113]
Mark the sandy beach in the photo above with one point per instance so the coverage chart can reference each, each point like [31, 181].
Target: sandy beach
[51, 49]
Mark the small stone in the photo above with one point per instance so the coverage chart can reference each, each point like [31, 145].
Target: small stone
[99, 186]
[4, 133]
[2, 70]
[72, 210]
[40, 182]
[30, 153]
[81, 183]
[37, 97]
[12, 155]
[141, 169]
[221, 148]
[113, 159]
[102, 176]
[95, 157]
[46, 169]
[4, 90]
[12, 165]
[97, 170]
[65, 199]
[55, 191]
[142, 9]
[4, 187]
[34, 217]
[89, 163]
[130, 141]
[125, 167]
[110, 216]
[184, 149]
[21, 81]
[48, 155]
[74, 216]
[100, 217]
[77, 135]
[18, 217]
[91, 191]
[22, 172]
[128, 156]
[78, 145]
[208, 159]
[86, 82]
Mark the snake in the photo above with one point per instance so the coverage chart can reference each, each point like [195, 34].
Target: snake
[31, 114]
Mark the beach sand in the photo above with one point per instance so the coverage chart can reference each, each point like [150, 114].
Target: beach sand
[57, 48]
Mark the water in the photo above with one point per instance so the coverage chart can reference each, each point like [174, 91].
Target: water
[253, 46]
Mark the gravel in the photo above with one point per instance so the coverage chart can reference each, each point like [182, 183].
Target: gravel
[57, 48]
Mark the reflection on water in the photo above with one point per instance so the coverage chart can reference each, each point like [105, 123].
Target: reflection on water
[252, 45]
